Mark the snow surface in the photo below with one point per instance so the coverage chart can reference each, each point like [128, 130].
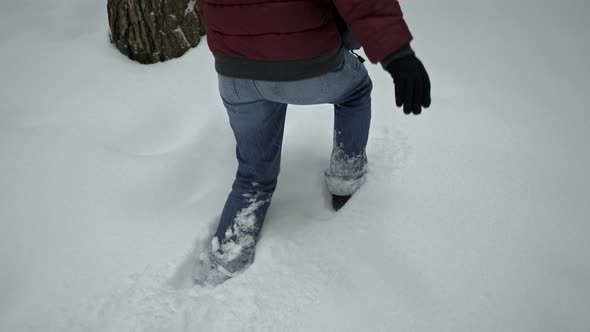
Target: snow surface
[474, 216]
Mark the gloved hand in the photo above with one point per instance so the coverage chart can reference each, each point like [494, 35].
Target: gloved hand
[412, 84]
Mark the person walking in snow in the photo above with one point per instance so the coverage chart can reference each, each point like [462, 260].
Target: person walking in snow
[269, 54]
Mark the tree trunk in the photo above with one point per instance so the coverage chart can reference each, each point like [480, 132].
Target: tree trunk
[151, 31]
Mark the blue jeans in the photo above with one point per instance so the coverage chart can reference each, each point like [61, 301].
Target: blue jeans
[256, 111]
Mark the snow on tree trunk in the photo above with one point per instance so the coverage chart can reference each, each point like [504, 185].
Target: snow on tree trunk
[151, 31]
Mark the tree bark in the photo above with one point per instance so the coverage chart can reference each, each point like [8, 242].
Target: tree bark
[151, 31]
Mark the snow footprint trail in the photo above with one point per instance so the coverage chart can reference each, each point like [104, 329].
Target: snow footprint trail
[146, 304]
[267, 297]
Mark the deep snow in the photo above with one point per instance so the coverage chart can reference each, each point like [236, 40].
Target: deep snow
[475, 215]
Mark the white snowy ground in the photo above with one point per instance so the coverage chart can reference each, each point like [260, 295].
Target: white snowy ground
[475, 216]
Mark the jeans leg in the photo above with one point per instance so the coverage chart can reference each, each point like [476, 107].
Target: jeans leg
[258, 128]
[352, 120]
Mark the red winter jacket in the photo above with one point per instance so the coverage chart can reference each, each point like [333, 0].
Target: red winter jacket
[290, 30]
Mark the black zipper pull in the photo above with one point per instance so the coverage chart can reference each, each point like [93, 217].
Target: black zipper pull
[361, 59]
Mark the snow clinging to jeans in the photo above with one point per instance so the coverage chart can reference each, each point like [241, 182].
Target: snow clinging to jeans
[236, 250]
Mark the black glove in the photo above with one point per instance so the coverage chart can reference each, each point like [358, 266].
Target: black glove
[412, 84]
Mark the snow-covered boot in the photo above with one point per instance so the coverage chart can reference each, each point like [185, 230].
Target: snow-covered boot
[207, 274]
[225, 260]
